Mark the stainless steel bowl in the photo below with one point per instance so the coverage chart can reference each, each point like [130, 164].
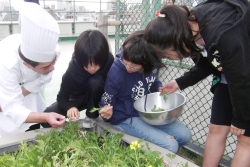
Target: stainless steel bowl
[172, 107]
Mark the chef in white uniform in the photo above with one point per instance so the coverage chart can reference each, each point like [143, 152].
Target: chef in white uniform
[26, 63]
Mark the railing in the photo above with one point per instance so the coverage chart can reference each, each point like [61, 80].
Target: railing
[66, 28]
[73, 16]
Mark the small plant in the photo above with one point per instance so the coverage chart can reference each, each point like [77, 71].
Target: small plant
[191, 156]
[77, 147]
[171, 157]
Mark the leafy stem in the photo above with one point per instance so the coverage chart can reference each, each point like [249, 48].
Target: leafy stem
[137, 161]
[164, 94]
[94, 109]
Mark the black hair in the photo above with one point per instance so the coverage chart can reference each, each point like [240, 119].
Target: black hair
[91, 47]
[30, 62]
[173, 32]
[138, 51]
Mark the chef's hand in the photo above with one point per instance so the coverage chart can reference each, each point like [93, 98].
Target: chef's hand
[170, 87]
[55, 120]
[236, 131]
[106, 112]
[73, 114]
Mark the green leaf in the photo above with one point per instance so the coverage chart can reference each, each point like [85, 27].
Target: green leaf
[153, 109]
[94, 110]
[164, 94]
[157, 109]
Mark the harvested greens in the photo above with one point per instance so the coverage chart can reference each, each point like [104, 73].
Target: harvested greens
[94, 110]
[157, 109]
[164, 94]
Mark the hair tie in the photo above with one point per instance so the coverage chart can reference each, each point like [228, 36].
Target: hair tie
[158, 14]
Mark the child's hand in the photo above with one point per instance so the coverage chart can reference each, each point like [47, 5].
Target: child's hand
[106, 112]
[73, 114]
[169, 87]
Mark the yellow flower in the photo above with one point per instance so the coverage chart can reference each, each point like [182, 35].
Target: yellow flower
[150, 166]
[132, 147]
[135, 144]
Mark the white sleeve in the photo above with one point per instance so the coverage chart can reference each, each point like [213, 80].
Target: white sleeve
[11, 97]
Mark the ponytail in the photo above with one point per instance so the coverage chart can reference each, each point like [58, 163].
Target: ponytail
[173, 32]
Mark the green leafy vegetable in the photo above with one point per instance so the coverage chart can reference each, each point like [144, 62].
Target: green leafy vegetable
[94, 110]
[164, 94]
[156, 109]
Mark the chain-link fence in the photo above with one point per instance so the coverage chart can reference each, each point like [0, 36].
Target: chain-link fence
[198, 106]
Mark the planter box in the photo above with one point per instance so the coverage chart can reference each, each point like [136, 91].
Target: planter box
[11, 143]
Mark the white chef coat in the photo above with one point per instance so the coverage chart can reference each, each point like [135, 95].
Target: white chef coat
[13, 75]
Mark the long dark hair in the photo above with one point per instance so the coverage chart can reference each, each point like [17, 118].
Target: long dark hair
[173, 32]
[138, 51]
[91, 47]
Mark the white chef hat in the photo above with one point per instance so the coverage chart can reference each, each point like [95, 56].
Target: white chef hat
[39, 33]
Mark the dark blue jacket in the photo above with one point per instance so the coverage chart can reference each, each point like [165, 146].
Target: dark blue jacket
[123, 88]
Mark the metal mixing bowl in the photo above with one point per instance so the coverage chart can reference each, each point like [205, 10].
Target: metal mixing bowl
[172, 107]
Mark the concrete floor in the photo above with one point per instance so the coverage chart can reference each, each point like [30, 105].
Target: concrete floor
[51, 89]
